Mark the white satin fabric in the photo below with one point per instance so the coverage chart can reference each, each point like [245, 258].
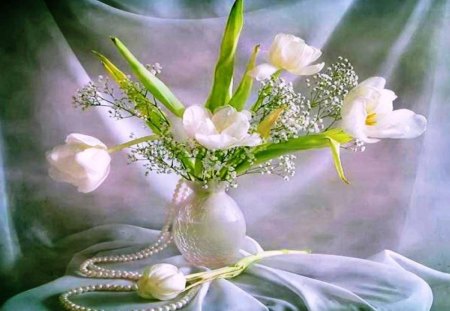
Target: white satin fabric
[314, 282]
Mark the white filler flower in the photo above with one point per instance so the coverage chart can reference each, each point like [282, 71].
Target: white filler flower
[161, 281]
[368, 115]
[83, 161]
[225, 129]
[290, 53]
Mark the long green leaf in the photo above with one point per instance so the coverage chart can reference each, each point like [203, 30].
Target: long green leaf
[245, 87]
[273, 150]
[150, 81]
[155, 117]
[112, 70]
[223, 75]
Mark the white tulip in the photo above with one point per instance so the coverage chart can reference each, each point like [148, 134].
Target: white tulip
[368, 115]
[290, 53]
[225, 129]
[161, 281]
[83, 162]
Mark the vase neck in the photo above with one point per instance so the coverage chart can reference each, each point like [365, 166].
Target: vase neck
[210, 187]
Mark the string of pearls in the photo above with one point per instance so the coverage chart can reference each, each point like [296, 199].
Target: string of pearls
[90, 268]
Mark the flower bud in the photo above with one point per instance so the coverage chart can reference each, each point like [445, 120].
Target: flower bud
[83, 161]
[289, 53]
[161, 281]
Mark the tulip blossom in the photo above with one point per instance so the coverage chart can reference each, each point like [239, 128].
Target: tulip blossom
[225, 129]
[289, 53]
[368, 115]
[83, 161]
[162, 281]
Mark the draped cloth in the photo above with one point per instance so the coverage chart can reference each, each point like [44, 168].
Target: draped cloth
[316, 282]
[397, 200]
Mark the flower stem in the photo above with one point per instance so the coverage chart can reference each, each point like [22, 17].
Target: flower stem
[196, 279]
[132, 143]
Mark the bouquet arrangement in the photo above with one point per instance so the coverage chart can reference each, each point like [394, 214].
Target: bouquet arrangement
[211, 145]
[228, 137]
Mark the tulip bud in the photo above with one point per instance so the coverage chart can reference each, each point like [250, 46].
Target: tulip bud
[289, 53]
[83, 161]
[161, 281]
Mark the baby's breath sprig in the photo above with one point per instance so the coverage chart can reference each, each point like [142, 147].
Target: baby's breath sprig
[132, 99]
[277, 93]
[283, 166]
[327, 91]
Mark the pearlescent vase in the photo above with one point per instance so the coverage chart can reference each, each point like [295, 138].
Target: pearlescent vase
[209, 228]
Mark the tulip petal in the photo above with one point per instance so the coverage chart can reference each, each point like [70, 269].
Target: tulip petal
[230, 122]
[96, 165]
[63, 166]
[224, 117]
[251, 140]
[316, 53]
[90, 185]
[215, 142]
[93, 160]
[376, 82]
[279, 49]
[308, 70]
[263, 71]
[353, 121]
[76, 138]
[402, 123]
[198, 119]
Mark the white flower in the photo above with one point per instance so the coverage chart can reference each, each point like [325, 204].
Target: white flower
[225, 129]
[367, 114]
[161, 281]
[177, 128]
[83, 162]
[290, 53]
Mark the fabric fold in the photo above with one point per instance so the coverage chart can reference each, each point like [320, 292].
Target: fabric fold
[315, 282]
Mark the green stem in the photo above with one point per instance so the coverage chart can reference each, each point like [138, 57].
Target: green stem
[196, 279]
[132, 143]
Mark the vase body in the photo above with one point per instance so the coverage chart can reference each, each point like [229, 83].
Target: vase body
[209, 228]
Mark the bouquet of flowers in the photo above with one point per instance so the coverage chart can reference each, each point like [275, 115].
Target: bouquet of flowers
[227, 137]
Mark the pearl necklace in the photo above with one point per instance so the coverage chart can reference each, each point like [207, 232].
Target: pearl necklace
[90, 269]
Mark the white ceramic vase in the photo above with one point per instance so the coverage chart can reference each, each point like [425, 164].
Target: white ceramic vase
[209, 228]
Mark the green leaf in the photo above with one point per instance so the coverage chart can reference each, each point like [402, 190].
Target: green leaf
[270, 151]
[335, 151]
[150, 81]
[266, 125]
[245, 87]
[112, 70]
[155, 117]
[223, 75]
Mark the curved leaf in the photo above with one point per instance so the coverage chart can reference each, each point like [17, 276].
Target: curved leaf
[223, 75]
[155, 117]
[245, 87]
[150, 81]
[332, 138]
